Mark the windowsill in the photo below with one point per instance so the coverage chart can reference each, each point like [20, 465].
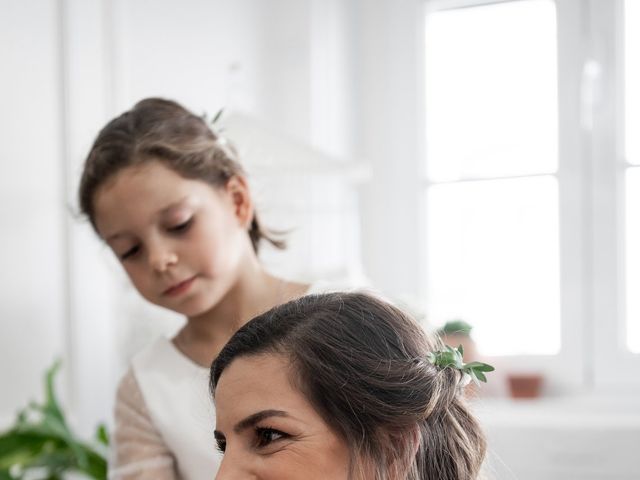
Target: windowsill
[576, 411]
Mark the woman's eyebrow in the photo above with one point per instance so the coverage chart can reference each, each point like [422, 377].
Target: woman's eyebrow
[251, 420]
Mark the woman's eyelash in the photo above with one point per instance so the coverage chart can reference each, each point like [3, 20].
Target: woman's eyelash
[266, 436]
[221, 445]
[182, 227]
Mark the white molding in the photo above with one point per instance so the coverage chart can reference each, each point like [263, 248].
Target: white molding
[90, 315]
[614, 364]
[435, 5]
[574, 216]
[389, 46]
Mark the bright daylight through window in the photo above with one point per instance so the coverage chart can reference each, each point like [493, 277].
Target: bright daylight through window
[492, 157]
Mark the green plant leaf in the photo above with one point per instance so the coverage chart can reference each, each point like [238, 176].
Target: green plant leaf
[480, 376]
[457, 326]
[41, 441]
[102, 436]
[482, 367]
[4, 475]
[453, 357]
[51, 406]
[217, 116]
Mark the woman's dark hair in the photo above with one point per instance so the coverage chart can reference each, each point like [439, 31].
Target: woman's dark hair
[162, 130]
[362, 364]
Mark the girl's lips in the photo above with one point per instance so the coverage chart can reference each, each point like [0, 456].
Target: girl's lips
[179, 288]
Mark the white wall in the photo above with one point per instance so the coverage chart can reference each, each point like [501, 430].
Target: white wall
[68, 67]
[32, 274]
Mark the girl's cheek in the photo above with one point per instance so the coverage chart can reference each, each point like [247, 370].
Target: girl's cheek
[135, 275]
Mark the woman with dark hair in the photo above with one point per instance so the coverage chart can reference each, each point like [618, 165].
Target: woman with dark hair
[343, 386]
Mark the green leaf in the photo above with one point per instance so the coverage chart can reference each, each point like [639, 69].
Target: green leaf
[41, 443]
[18, 447]
[51, 402]
[4, 475]
[56, 460]
[455, 327]
[217, 116]
[453, 357]
[483, 367]
[102, 435]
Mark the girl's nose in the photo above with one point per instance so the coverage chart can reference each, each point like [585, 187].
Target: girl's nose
[161, 259]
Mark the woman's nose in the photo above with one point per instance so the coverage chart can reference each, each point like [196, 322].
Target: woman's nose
[233, 470]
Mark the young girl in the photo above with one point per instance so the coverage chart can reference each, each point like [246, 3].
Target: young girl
[343, 386]
[169, 197]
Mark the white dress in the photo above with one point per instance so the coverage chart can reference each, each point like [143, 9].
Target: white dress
[165, 417]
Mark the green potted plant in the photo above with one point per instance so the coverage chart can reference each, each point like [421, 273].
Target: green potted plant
[458, 332]
[42, 446]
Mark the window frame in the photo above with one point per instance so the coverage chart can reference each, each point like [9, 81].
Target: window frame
[590, 177]
[614, 365]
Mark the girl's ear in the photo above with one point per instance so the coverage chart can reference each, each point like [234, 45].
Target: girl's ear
[238, 190]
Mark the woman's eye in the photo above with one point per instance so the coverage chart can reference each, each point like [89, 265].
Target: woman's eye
[266, 436]
[181, 227]
[130, 253]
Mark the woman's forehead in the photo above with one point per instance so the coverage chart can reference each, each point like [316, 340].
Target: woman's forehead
[259, 382]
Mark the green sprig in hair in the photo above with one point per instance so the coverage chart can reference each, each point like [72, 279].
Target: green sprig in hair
[452, 358]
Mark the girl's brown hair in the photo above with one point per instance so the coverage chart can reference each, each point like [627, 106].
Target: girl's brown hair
[362, 364]
[161, 130]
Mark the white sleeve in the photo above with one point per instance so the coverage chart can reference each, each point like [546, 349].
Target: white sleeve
[138, 451]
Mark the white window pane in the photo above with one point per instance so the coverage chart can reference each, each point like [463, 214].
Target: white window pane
[633, 259]
[493, 260]
[491, 91]
[632, 80]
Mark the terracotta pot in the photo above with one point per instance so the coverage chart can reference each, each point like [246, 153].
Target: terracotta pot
[525, 385]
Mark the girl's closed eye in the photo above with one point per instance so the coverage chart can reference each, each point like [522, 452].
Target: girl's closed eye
[181, 227]
[131, 253]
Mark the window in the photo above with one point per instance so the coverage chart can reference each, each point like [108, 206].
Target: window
[492, 192]
[632, 184]
[532, 202]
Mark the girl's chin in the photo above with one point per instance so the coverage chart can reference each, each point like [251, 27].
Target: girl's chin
[193, 304]
[195, 308]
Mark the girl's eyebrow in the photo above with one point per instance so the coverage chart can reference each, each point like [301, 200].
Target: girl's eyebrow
[177, 203]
